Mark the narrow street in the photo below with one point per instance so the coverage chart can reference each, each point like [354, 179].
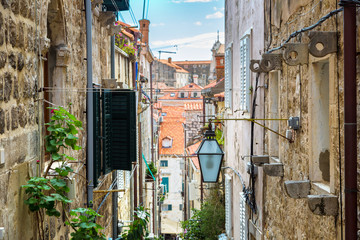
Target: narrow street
[179, 119]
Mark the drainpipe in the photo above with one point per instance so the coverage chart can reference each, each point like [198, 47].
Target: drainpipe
[350, 120]
[152, 143]
[114, 174]
[89, 106]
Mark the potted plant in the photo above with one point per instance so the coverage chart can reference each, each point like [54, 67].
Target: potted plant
[153, 169]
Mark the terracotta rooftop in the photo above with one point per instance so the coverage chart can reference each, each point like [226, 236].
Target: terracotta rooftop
[160, 85]
[127, 26]
[220, 95]
[171, 64]
[192, 62]
[172, 127]
[191, 151]
[190, 88]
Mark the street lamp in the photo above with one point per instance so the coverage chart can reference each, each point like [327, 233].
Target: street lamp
[210, 157]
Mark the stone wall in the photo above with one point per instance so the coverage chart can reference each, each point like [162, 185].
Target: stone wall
[55, 30]
[296, 97]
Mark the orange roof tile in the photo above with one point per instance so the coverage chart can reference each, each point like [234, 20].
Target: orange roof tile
[127, 26]
[191, 151]
[165, 61]
[160, 85]
[172, 127]
[211, 84]
[174, 94]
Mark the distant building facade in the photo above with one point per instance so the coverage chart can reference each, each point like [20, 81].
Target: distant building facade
[199, 70]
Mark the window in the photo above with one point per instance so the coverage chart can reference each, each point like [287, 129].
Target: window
[182, 95]
[166, 207]
[114, 117]
[244, 73]
[204, 76]
[163, 163]
[319, 122]
[273, 101]
[195, 94]
[172, 94]
[167, 142]
[165, 182]
[228, 77]
[180, 207]
[222, 61]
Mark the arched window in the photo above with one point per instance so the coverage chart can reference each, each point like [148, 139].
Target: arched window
[167, 142]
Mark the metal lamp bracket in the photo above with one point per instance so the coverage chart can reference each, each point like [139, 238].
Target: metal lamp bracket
[322, 43]
[296, 53]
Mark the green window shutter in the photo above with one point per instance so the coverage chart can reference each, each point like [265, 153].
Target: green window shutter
[97, 136]
[165, 182]
[122, 5]
[107, 130]
[119, 129]
[170, 207]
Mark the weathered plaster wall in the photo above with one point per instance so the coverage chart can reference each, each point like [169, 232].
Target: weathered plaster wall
[296, 85]
[242, 17]
[57, 27]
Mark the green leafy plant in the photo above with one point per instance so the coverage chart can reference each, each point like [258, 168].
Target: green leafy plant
[219, 136]
[124, 44]
[208, 222]
[152, 168]
[47, 193]
[138, 228]
[84, 225]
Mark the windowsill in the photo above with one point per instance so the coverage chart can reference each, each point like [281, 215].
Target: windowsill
[321, 188]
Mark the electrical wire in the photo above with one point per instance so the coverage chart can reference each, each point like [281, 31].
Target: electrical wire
[147, 9]
[296, 33]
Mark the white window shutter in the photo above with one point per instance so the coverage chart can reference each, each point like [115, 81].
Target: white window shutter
[228, 77]
[243, 217]
[244, 91]
[120, 180]
[228, 208]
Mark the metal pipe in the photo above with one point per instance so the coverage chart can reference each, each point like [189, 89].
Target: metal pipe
[114, 174]
[350, 120]
[89, 106]
[152, 143]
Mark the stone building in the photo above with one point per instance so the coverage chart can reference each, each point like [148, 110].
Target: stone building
[199, 71]
[290, 181]
[166, 71]
[42, 64]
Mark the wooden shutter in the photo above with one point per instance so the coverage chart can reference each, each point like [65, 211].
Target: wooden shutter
[228, 77]
[244, 74]
[228, 203]
[119, 129]
[165, 182]
[242, 207]
[97, 136]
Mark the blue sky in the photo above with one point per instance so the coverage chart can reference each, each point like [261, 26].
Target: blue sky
[192, 25]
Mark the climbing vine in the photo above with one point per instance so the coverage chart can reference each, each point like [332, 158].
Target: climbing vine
[46, 194]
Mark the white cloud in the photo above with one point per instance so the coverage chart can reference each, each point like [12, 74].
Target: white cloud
[157, 24]
[219, 9]
[215, 15]
[205, 40]
[198, 23]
